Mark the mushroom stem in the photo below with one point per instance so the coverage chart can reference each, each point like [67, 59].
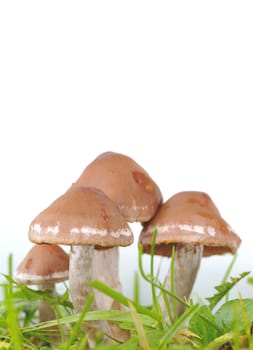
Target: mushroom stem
[46, 312]
[86, 264]
[80, 274]
[106, 269]
[186, 265]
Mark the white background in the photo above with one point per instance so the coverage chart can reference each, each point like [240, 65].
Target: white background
[168, 83]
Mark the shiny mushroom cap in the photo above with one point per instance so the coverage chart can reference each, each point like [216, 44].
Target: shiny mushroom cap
[44, 263]
[126, 183]
[190, 217]
[81, 216]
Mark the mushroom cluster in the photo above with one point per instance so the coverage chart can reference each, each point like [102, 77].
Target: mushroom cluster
[93, 216]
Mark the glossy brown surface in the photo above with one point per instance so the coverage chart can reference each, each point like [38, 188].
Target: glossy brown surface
[190, 216]
[82, 215]
[126, 183]
[43, 263]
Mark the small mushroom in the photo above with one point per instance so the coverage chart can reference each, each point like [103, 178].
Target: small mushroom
[44, 265]
[190, 221]
[84, 218]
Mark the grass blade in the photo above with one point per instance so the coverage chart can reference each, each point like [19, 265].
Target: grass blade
[102, 287]
[12, 319]
[153, 287]
[172, 281]
[79, 321]
[156, 284]
[136, 288]
[139, 328]
[229, 269]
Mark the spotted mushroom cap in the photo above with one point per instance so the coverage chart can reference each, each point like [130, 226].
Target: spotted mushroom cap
[81, 216]
[43, 263]
[126, 183]
[190, 217]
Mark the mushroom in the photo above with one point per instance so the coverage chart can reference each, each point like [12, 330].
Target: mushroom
[133, 190]
[84, 218]
[190, 221]
[44, 265]
[126, 183]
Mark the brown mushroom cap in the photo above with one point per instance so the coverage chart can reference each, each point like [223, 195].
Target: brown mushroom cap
[81, 216]
[43, 263]
[190, 217]
[126, 183]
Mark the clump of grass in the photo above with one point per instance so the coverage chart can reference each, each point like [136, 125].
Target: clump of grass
[212, 326]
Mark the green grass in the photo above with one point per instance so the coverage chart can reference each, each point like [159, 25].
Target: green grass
[219, 323]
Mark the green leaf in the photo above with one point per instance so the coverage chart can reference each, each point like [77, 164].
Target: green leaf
[131, 344]
[107, 347]
[4, 345]
[203, 324]
[177, 325]
[235, 314]
[223, 289]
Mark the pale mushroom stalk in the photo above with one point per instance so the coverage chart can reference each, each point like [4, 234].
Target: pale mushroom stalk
[46, 312]
[187, 260]
[85, 266]
[109, 258]
[80, 274]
